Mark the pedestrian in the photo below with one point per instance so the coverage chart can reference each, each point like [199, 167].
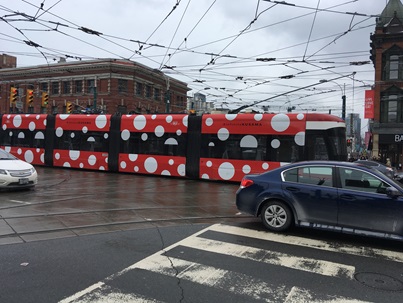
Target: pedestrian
[388, 164]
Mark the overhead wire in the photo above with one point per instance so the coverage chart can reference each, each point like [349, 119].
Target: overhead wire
[217, 65]
[155, 30]
[310, 32]
[64, 19]
[194, 27]
[173, 36]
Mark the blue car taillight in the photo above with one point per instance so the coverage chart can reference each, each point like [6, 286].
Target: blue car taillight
[246, 182]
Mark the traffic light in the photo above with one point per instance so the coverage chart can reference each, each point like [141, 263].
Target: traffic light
[45, 99]
[69, 107]
[13, 95]
[349, 142]
[30, 96]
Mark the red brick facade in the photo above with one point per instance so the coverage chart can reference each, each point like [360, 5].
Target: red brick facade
[115, 86]
[7, 61]
[387, 57]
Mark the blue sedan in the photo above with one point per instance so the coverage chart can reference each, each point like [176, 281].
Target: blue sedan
[340, 196]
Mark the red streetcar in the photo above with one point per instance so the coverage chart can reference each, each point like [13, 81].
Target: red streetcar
[212, 147]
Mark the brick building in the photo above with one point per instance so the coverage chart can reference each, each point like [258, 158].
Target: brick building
[387, 57]
[7, 61]
[107, 85]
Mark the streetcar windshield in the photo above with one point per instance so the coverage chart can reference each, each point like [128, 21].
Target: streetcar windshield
[327, 144]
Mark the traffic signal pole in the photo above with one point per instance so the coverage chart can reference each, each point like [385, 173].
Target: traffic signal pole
[95, 94]
[343, 107]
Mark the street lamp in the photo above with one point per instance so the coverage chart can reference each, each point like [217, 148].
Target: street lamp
[343, 97]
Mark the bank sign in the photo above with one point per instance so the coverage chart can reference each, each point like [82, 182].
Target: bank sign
[390, 138]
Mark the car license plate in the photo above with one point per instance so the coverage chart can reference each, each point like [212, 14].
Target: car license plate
[23, 181]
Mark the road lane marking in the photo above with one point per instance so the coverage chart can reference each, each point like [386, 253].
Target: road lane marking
[110, 295]
[20, 202]
[83, 292]
[310, 243]
[271, 257]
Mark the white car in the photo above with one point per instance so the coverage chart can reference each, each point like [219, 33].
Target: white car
[15, 173]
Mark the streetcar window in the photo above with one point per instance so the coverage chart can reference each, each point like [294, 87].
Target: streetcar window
[39, 140]
[252, 147]
[168, 144]
[77, 140]
[246, 147]
[23, 138]
[284, 149]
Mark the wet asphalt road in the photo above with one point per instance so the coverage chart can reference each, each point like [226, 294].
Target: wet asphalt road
[69, 202]
[83, 236]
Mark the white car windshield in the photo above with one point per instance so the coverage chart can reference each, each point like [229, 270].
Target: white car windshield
[6, 156]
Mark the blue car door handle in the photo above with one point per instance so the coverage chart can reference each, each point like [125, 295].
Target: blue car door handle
[347, 197]
[292, 188]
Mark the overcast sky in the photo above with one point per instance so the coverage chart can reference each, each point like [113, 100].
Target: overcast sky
[234, 51]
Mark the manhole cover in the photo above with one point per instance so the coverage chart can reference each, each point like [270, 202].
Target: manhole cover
[379, 281]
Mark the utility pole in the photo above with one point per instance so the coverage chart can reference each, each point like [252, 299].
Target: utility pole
[343, 108]
[167, 101]
[95, 94]
[167, 96]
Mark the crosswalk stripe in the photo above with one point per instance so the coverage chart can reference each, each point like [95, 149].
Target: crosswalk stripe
[241, 284]
[230, 281]
[311, 243]
[271, 257]
[299, 295]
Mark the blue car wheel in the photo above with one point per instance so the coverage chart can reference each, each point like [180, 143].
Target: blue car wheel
[276, 216]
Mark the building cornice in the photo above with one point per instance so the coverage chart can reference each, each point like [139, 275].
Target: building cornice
[54, 71]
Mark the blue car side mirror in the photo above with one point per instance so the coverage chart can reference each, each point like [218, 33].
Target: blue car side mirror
[393, 192]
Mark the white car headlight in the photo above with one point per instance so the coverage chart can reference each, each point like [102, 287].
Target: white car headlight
[3, 172]
[33, 170]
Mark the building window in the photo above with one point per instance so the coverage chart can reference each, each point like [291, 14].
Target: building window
[66, 87]
[55, 88]
[122, 109]
[122, 86]
[157, 94]
[90, 86]
[44, 86]
[139, 89]
[148, 91]
[392, 108]
[78, 86]
[393, 67]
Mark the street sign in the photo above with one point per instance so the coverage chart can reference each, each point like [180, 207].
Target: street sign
[19, 104]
